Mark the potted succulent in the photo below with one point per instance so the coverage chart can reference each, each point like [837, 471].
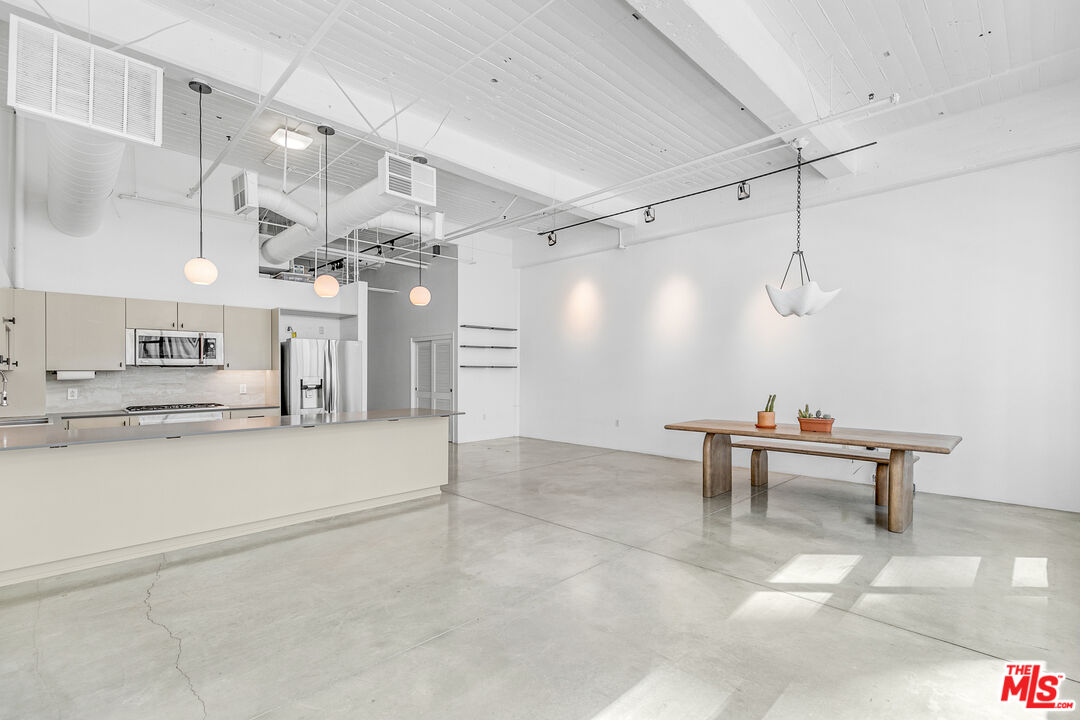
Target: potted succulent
[815, 422]
[766, 419]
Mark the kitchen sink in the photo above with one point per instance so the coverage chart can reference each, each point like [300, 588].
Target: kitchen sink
[23, 422]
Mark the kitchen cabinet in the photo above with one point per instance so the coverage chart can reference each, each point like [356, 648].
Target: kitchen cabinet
[90, 423]
[202, 318]
[151, 314]
[84, 332]
[22, 345]
[254, 413]
[249, 342]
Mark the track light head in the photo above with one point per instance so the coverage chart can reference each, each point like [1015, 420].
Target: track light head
[744, 190]
[650, 214]
[552, 239]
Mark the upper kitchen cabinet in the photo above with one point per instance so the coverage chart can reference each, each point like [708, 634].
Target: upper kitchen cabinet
[249, 340]
[202, 318]
[22, 345]
[84, 332]
[151, 314]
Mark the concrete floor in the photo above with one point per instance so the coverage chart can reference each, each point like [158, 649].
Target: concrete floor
[561, 581]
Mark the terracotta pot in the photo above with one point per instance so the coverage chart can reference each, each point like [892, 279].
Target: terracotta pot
[766, 420]
[814, 424]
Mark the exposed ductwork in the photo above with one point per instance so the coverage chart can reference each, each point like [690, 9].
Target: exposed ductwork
[369, 206]
[83, 169]
[287, 206]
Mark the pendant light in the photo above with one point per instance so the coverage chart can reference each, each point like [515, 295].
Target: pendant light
[420, 295]
[807, 298]
[199, 270]
[326, 285]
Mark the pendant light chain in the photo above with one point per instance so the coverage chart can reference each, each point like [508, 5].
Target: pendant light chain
[798, 203]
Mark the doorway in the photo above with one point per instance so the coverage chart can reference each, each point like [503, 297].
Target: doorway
[433, 374]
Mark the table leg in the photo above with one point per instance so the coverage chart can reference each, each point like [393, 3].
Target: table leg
[716, 465]
[881, 480]
[759, 468]
[901, 486]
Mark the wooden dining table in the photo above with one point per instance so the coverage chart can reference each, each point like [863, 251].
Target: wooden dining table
[716, 455]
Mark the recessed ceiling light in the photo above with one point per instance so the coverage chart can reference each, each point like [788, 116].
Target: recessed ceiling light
[296, 141]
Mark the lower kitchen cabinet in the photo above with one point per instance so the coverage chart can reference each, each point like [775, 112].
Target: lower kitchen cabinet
[249, 339]
[84, 332]
[90, 423]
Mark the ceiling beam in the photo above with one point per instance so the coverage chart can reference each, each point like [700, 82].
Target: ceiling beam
[728, 41]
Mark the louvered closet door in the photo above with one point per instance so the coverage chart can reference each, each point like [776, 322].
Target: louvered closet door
[423, 390]
[443, 375]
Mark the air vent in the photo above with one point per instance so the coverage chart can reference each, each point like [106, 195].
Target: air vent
[57, 76]
[407, 180]
[245, 192]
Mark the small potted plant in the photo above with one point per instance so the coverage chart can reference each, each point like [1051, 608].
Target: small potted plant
[766, 419]
[814, 422]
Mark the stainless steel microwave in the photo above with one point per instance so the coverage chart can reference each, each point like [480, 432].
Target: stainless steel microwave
[175, 348]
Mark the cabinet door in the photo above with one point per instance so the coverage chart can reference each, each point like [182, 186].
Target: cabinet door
[203, 318]
[84, 332]
[24, 347]
[151, 314]
[89, 423]
[248, 340]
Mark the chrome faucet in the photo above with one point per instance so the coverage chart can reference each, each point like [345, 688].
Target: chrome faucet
[3, 391]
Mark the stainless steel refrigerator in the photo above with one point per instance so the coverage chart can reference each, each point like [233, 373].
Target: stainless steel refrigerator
[321, 376]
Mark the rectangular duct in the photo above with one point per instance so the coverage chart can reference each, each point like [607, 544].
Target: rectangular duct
[57, 76]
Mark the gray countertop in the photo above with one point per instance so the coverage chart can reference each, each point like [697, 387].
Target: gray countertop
[55, 436]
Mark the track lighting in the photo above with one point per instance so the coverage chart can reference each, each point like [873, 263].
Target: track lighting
[552, 239]
[650, 214]
[744, 190]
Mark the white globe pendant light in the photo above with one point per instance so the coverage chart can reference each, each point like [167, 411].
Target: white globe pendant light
[199, 270]
[326, 285]
[420, 295]
[808, 298]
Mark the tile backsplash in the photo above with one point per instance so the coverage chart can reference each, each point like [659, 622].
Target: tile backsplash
[156, 385]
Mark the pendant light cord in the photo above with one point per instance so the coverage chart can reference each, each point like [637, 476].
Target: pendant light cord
[420, 244]
[200, 177]
[326, 206]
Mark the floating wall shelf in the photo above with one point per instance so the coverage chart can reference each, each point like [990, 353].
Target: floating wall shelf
[488, 366]
[491, 347]
[489, 327]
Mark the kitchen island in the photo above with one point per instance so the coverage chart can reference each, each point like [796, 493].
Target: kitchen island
[75, 499]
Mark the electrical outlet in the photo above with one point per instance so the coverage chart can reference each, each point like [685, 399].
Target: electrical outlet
[616, 422]
[243, 388]
[322, 330]
[73, 393]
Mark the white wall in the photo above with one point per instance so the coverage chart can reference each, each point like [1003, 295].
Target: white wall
[959, 314]
[488, 293]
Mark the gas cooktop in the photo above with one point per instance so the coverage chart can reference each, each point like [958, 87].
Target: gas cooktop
[173, 406]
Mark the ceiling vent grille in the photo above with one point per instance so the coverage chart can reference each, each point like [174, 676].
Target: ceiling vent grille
[407, 180]
[57, 76]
